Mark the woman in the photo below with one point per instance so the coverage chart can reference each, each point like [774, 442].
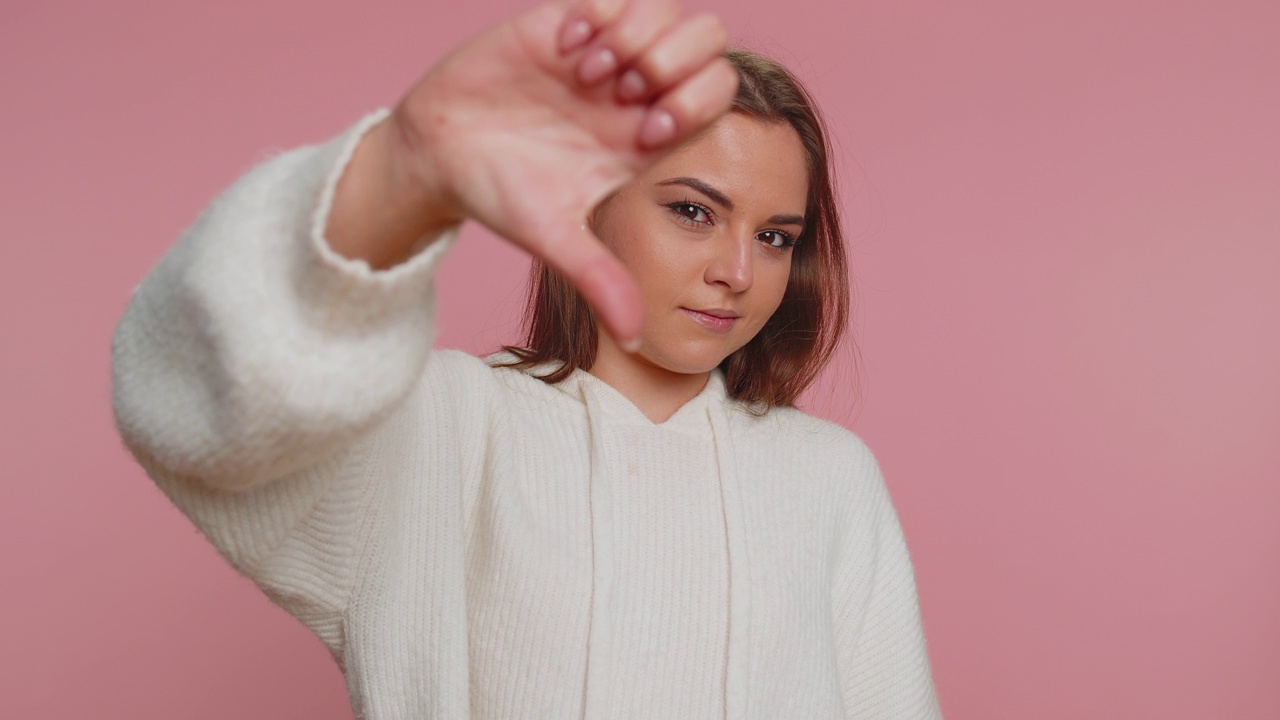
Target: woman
[626, 518]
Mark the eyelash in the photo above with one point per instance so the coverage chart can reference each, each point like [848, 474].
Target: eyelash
[787, 239]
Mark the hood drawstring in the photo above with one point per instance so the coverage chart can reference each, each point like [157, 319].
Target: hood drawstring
[736, 668]
[600, 658]
[600, 638]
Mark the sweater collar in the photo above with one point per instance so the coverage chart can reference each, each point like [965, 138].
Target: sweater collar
[692, 416]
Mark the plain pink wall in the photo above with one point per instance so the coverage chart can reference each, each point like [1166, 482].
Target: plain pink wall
[1066, 230]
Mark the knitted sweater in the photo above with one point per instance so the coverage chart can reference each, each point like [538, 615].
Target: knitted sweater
[471, 542]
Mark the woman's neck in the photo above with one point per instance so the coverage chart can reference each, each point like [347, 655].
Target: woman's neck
[655, 391]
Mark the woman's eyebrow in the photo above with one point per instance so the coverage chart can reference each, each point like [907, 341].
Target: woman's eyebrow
[787, 220]
[719, 197]
[723, 200]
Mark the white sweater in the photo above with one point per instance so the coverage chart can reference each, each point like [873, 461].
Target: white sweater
[470, 542]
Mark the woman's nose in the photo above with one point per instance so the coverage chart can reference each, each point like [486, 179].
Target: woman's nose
[731, 264]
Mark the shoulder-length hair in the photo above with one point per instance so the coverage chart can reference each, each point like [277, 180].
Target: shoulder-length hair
[775, 366]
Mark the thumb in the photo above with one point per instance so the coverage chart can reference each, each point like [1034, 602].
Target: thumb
[605, 283]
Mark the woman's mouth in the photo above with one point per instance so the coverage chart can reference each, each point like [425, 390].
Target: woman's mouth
[720, 321]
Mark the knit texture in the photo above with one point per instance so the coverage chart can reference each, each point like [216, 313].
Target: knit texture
[470, 542]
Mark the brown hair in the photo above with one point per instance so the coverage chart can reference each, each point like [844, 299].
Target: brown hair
[776, 365]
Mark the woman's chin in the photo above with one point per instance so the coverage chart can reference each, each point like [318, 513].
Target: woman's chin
[687, 360]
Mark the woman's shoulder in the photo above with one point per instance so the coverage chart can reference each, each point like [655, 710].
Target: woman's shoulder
[810, 449]
[486, 382]
[460, 371]
[456, 370]
[792, 426]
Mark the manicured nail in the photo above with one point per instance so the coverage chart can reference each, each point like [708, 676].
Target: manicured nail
[631, 85]
[658, 128]
[574, 35]
[597, 66]
[630, 346]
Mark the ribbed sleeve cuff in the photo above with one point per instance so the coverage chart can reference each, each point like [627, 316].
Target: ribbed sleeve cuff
[349, 294]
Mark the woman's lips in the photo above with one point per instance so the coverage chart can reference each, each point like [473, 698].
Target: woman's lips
[720, 322]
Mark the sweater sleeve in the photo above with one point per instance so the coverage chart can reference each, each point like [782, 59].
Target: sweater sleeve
[884, 665]
[253, 361]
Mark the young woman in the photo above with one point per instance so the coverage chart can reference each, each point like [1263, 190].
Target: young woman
[625, 517]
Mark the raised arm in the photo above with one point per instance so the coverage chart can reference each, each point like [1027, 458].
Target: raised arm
[252, 349]
[291, 317]
[294, 318]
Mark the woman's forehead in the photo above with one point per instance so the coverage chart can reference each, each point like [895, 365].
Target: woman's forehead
[744, 157]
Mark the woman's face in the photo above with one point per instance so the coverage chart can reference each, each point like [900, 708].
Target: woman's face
[707, 232]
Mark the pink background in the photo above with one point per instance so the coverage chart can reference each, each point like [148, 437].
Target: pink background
[1066, 229]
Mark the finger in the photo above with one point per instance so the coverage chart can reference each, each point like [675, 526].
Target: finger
[605, 283]
[686, 47]
[585, 19]
[687, 108]
[620, 42]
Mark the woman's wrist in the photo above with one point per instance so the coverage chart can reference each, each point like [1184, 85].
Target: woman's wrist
[386, 200]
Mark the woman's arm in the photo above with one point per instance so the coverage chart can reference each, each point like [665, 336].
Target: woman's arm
[291, 318]
[296, 315]
[254, 364]
[381, 209]
[884, 664]
[252, 349]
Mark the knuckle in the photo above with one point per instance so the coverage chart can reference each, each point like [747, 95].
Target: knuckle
[685, 108]
[602, 12]
[611, 9]
[627, 41]
[714, 91]
[690, 47]
[718, 32]
[730, 79]
[651, 71]
[658, 63]
[641, 28]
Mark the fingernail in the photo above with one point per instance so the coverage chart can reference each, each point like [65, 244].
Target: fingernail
[658, 128]
[631, 85]
[630, 346]
[597, 66]
[574, 35]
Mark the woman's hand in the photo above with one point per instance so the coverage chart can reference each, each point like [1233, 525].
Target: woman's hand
[529, 126]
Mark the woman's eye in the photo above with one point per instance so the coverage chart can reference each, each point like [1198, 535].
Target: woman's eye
[690, 212]
[776, 239]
